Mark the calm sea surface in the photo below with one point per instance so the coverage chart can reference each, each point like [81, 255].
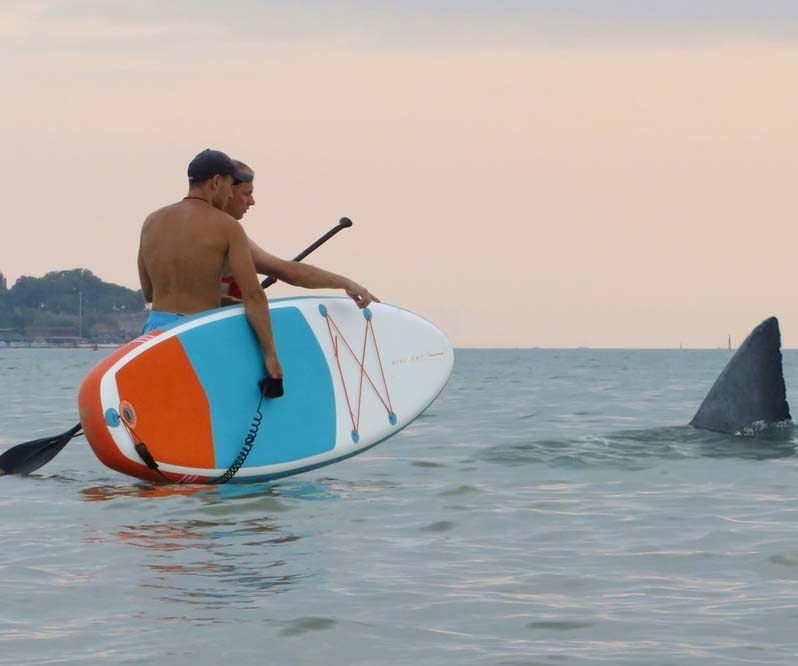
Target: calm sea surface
[550, 508]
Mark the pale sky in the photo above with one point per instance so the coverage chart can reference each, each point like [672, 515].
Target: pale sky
[554, 173]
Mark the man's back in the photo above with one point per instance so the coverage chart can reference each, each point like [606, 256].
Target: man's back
[183, 250]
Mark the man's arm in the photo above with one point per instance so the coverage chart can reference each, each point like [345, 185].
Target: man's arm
[255, 303]
[307, 276]
[144, 278]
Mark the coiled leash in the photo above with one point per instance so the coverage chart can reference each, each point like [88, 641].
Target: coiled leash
[269, 388]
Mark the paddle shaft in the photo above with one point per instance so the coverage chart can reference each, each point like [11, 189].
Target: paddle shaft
[343, 223]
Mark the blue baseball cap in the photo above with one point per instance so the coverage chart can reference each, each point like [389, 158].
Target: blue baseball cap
[210, 163]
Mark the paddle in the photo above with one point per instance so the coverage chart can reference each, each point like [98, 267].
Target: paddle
[343, 223]
[29, 456]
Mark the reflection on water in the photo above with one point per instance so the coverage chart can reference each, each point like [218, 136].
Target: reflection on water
[163, 537]
[142, 490]
[232, 549]
[298, 489]
[203, 562]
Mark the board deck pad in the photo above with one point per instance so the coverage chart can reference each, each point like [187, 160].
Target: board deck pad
[190, 393]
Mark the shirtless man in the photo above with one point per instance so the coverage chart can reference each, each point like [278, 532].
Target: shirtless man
[184, 247]
[292, 272]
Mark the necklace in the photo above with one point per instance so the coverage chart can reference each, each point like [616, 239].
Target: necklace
[197, 198]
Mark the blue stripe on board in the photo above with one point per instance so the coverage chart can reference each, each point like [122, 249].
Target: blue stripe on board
[228, 362]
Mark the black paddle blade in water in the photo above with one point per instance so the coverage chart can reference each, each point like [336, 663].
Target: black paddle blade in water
[29, 456]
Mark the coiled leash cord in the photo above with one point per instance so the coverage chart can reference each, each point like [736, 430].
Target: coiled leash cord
[249, 442]
[269, 388]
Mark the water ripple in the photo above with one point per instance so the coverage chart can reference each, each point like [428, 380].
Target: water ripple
[560, 514]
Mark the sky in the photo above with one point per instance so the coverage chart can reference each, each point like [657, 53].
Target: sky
[553, 173]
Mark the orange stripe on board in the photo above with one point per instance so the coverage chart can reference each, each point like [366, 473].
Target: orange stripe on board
[172, 413]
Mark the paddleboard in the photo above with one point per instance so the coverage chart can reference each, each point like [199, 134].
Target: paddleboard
[190, 394]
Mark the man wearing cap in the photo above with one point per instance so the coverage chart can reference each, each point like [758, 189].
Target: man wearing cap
[291, 272]
[183, 249]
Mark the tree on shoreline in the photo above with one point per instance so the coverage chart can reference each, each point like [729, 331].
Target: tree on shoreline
[69, 302]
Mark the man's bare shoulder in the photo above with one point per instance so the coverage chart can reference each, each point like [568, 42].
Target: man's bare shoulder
[162, 212]
[185, 211]
[225, 223]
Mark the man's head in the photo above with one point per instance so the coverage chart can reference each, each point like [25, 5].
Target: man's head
[242, 198]
[213, 173]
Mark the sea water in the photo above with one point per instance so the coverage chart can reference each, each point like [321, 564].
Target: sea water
[551, 507]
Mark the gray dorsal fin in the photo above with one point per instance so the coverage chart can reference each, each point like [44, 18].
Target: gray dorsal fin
[751, 386]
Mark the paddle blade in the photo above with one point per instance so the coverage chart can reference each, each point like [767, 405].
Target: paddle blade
[29, 456]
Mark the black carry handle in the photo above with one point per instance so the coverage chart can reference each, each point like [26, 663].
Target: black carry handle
[271, 387]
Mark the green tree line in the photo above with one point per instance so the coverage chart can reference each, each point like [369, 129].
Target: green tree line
[70, 302]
